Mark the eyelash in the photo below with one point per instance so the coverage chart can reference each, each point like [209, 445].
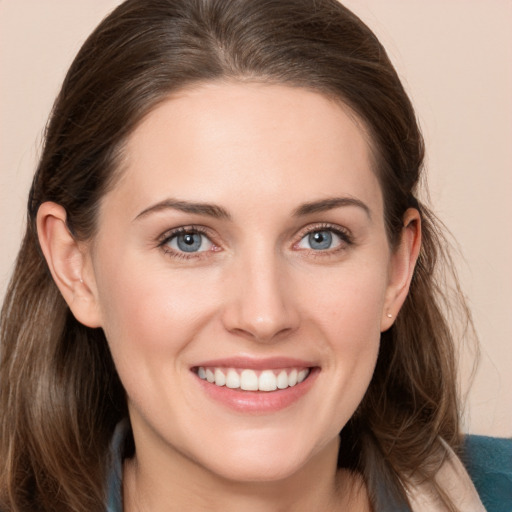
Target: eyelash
[344, 235]
[185, 230]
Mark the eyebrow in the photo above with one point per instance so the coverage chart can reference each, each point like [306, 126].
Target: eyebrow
[217, 212]
[210, 210]
[330, 204]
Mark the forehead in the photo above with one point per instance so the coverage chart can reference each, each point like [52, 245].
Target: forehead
[252, 142]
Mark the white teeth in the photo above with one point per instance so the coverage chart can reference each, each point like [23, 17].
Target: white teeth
[267, 381]
[249, 380]
[282, 380]
[232, 379]
[302, 375]
[220, 378]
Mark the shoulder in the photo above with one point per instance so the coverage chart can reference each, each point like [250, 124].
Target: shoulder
[488, 460]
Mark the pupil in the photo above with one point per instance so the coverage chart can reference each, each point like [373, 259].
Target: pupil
[189, 239]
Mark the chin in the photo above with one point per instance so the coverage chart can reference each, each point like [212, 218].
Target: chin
[264, 460]
[259, 470]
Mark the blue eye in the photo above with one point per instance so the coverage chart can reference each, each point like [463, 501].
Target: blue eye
[320, 240]
[189, 242]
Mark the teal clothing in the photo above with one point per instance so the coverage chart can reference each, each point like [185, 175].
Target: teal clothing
[488, 461]
[115, 476]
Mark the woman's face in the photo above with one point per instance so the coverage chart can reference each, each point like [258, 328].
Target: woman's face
[244, 244]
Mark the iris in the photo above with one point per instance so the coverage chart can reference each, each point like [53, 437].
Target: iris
[189, 242]
[320, 240]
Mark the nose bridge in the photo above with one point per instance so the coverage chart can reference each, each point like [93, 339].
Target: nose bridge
[261, 305]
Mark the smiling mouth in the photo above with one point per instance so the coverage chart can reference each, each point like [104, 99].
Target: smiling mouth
[253, 380]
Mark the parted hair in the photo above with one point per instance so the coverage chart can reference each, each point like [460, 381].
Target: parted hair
[60, 395]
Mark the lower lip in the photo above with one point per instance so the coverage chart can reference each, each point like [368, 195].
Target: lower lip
[259, 401]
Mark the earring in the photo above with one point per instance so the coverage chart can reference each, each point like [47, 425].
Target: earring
[389, 315]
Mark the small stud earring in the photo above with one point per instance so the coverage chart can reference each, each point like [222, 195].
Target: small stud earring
[81, 281]
[389, 315]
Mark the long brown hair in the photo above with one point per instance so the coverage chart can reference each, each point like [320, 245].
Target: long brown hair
[60, 396]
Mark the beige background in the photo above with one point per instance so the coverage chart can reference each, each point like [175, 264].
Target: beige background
[455, 58]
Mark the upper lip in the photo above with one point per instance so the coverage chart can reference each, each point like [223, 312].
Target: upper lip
[269, 363]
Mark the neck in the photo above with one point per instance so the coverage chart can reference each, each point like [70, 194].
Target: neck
[158, 483]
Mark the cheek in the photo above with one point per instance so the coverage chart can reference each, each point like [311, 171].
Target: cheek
[349, 300]
[348, 310]
[151, 319]
[150, 312]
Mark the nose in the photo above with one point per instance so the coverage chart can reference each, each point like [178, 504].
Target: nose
[261, 302]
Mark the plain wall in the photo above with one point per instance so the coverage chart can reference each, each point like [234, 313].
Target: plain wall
[455, 58]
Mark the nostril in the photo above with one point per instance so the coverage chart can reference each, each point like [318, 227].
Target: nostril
[262, 333]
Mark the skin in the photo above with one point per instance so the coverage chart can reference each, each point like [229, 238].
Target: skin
[260, 153]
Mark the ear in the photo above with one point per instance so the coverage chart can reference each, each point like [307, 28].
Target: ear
[401, 269]
[69, 263]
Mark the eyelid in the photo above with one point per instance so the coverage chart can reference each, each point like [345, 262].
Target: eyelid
[192, 228]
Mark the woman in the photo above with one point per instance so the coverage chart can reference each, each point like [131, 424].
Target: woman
[225, 266]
